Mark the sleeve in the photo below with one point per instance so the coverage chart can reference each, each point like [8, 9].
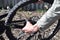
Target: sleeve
[49, 17]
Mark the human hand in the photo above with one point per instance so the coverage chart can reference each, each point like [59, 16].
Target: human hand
[29, 28]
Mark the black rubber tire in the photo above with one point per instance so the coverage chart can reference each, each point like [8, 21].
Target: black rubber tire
[12, 12]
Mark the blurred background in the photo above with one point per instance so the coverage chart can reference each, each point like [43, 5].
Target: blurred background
[33, 11]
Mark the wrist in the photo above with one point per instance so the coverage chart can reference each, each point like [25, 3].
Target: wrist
[39, 27]
[36, 26]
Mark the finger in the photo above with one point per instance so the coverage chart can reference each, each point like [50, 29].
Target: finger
[24, 28]
[28, 32]
[36, 29]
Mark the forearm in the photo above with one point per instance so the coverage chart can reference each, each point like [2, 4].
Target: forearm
[48, 18]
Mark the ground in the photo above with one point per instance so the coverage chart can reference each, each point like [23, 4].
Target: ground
[28, 14]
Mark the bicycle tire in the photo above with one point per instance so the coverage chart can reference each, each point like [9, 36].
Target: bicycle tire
[15, 8]
[13, 12]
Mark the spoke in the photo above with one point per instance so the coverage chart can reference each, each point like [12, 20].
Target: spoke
[12, 12]
[3, 16]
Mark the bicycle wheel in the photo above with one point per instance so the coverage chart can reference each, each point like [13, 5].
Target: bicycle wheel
[13, 12]
[15, 8]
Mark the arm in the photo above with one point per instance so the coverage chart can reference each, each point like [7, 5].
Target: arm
[46, 20]
[49, 17]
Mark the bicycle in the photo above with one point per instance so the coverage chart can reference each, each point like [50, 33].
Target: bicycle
[6, 23]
